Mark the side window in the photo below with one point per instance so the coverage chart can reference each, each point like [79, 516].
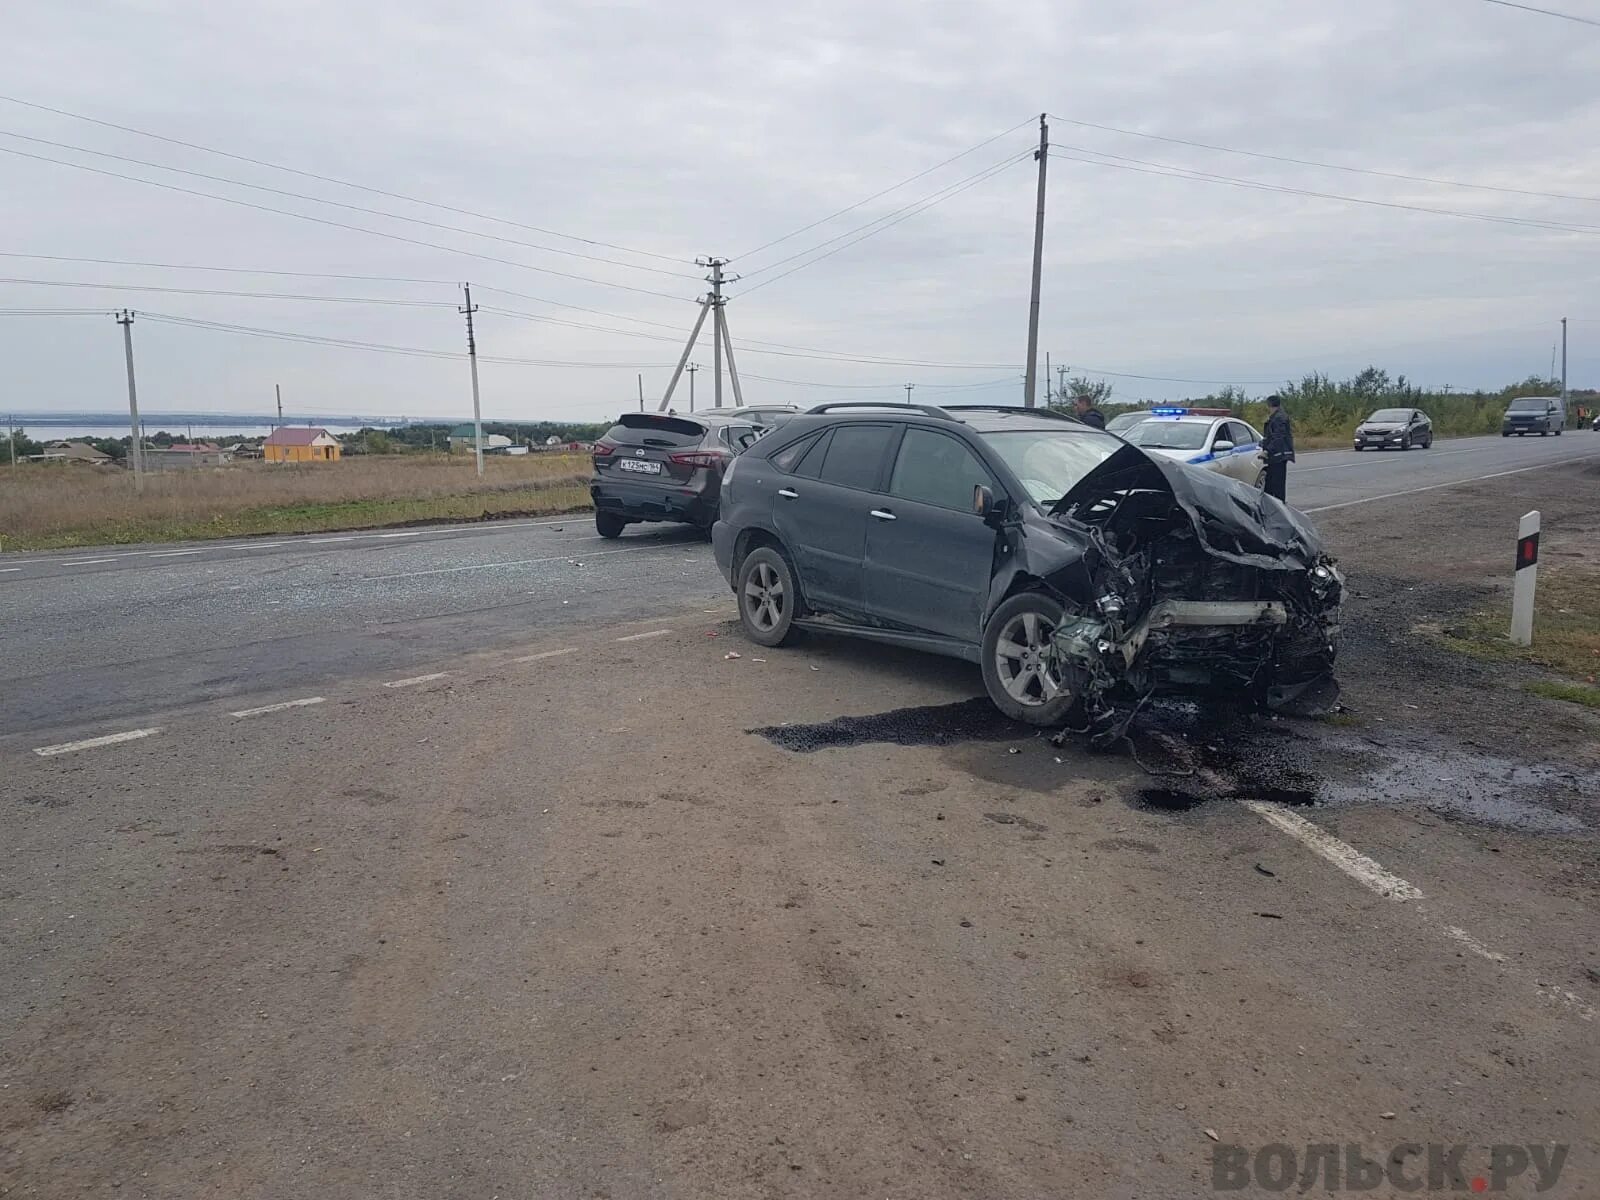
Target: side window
[1240, 434]
[936, 469]
[855, 455]
[786, 458]
[810, 465]
[744, 436]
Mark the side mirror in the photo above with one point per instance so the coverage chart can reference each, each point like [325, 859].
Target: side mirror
[1223, 444]
[982, 500]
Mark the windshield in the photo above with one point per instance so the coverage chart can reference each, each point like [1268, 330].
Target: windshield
[1050, 462]
[1169, 435]
[1530, 404]
[1119, 423]
[1391, 415]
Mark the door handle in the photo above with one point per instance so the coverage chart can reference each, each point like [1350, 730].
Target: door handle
[788, 493]
[883, 514]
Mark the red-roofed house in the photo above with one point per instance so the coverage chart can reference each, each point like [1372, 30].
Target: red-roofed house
[291, 443]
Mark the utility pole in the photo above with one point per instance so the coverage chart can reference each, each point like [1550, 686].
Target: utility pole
[472, 357]
[11, 439]
[712, 303]
[1049, 396]
[1563, 360]
[1061, 391]
[716, 330]
[641, 391]
[909, 386]
[1043, 155]
[277, 389]
[135, 447]
[693, 367]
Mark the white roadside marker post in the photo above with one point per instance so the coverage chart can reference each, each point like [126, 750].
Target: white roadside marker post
[1523, 580]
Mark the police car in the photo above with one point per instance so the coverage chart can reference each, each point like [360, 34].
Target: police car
[1208, 438]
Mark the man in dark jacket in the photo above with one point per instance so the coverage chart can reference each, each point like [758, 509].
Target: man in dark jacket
[1086, 412]
[1277, 442]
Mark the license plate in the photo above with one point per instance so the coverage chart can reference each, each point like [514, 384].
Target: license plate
[639, 466]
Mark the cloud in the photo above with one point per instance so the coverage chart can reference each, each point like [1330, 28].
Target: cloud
[692, 129]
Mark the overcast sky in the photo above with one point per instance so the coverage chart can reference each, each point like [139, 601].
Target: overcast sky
[694, 128]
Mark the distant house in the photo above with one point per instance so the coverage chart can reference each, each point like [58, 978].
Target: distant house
[183, 456]
[77, 452]
[461, 438]
[291, 443]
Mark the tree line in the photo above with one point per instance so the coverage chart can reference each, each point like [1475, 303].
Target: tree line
[1323, 406]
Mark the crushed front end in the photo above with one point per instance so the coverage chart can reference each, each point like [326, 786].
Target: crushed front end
[1195, 585]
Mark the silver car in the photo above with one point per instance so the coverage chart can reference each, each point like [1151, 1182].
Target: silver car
[1222, 444]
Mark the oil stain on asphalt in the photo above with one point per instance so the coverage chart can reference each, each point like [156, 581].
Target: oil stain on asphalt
[1192, 756]
[974, 720]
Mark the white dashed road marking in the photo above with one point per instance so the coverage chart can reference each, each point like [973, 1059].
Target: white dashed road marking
[7, 570]
[84, 562]
[1456, 933]
[639, 637]
[324, 541]
[1342, 855]
[546, 654]
[306, 702]
[518, 562]
[416, 679]
[110, 739]
[1363, 869]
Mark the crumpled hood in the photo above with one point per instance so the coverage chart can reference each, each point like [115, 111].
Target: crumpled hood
[1233, 521]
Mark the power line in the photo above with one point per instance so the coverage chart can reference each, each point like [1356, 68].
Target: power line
[376, 347]
[906, 216]
[1175, 172]
[396, 237]
[1309, 162]
[124, 262]
[885, 191]
[450, 283]
[933, 197]
[1545, 12]
[131, 287]
[373, 212]
[1007, 380]
[61, 112]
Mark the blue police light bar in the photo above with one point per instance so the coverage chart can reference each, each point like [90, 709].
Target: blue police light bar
[1170, 412]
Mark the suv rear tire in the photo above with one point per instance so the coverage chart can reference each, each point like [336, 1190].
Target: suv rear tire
[1015, 673]
[767, 596]
[609, 525]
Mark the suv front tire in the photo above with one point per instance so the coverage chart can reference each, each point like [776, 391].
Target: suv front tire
[1016, 667]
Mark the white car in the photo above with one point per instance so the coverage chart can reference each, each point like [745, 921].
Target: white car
[1222, 444]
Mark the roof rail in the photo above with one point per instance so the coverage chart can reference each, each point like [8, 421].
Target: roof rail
[927, 410]
[1055, 414]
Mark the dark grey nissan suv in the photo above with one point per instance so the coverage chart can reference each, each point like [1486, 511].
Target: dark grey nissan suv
[1082, 574]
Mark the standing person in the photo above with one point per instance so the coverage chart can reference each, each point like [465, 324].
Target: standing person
[1277, 441]
[1087, 413]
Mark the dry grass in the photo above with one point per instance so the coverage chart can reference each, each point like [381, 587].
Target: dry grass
[46, 506]
[1566, 631]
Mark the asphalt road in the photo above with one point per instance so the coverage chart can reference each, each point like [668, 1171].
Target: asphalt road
[94, 636]
[615, 908]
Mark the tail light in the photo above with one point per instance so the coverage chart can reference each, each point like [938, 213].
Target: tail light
[601, 449]
[700, 458]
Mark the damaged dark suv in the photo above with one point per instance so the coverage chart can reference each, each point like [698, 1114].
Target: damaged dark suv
[1083, 575]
